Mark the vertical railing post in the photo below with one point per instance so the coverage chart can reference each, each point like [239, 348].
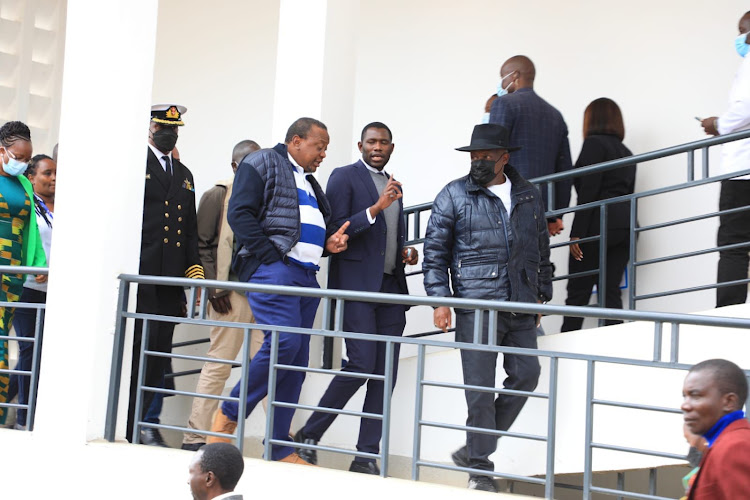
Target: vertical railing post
[657, 340]
[417, 445]
[602, 286]
[550, 195]
[478, 317]
[652, 481]
[274, 359]
[492, 327]
[587, 462]
[115, 373]
[36, 356]
[633, 258]
[244, 378]
[136, 437]
[204, 303]
[417, 224]
[675, 344]
[549, 485]
[620, 483]
[705, 159]
[691, 165]
[386, 422]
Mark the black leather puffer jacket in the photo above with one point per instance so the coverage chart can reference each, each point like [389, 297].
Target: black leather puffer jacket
[467, 234]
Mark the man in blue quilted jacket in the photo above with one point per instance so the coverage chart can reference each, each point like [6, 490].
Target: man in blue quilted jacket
[487, 238]
[282, 223]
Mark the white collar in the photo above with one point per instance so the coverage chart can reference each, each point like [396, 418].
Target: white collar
[373, 169]
[296, 166]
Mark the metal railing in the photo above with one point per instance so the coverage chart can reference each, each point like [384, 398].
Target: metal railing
[33, 373]
[333, 315]
[415, 215]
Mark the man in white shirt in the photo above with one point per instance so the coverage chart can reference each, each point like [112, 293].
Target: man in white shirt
[735, 193]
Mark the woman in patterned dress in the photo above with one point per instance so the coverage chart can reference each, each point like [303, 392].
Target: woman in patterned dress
[20, 243]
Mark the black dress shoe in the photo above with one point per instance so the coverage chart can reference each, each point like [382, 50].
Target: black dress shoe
[365, 468]
[310, 456]
[482, 483]
[192, 446]
[152, 437]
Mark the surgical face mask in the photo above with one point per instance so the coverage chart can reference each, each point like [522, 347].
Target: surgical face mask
[741, 45]
[482, 171]
[501, 91]
[486, 118]
[165, 139]
[14, 167]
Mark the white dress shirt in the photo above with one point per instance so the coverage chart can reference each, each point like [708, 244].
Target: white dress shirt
[735, 156]
[159, 155]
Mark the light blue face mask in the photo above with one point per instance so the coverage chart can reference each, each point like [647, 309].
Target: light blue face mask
[486, 118]
[14, 167]
[500, 90]
[741, 45]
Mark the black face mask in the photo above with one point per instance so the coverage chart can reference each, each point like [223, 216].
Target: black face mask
[165, 139]
[482, 171]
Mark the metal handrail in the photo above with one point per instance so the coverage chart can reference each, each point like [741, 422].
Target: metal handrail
[36, 354]
[333, 315]
[417, 211]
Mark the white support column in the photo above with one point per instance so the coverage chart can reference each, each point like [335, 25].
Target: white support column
[109, 59]
[299, 64]
[316, 59]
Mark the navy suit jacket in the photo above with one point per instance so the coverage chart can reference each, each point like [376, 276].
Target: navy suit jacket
[351, 191]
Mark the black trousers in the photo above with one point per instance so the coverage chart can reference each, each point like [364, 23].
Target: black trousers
[364, 357]
[733, 228]
[485, 410]
[161, 300]
[580, 289]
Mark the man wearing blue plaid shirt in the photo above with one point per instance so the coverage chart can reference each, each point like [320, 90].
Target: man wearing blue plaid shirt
[538, 128]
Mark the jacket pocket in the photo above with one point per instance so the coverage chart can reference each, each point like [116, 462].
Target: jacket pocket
[474, 268]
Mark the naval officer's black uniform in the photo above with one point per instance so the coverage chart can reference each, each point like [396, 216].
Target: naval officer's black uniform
[169, 247]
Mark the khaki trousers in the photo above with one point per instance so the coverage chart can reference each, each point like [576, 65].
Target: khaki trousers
[225, 344]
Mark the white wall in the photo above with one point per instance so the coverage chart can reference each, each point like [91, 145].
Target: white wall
[218, 59]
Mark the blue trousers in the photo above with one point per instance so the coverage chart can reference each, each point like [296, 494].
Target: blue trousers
[24, 322]
[280, 310]
[364, 357]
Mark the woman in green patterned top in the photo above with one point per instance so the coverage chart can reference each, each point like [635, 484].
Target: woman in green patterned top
[20, 243]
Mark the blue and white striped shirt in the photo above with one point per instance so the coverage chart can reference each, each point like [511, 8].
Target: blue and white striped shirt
[309, 249]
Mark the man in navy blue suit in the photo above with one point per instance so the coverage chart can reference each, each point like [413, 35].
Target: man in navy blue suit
[370, 199]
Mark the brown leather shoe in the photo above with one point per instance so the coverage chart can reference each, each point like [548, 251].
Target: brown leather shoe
[221, 423]
[296, 459]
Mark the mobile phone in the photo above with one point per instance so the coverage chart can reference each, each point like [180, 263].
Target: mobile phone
[699, 119]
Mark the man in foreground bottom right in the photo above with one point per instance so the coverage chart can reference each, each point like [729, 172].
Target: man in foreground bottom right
[714, 393]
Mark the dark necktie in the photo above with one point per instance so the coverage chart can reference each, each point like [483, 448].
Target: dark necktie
[168, 166]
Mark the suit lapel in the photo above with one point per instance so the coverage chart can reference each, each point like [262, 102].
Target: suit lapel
[369, 184]
[154, 168]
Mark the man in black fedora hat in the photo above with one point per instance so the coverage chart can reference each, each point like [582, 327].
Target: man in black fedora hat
[488, 230]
